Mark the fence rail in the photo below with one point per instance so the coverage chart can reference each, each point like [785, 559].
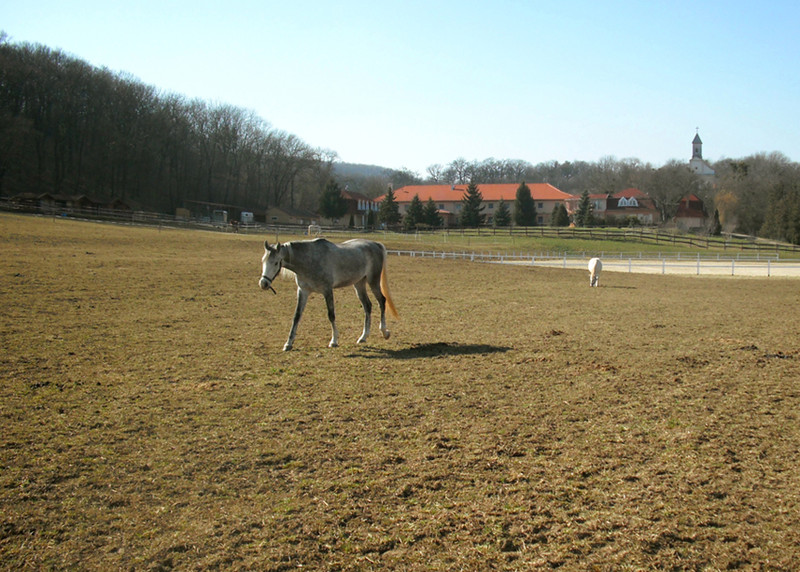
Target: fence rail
[718, 265]
[728, 242]
[644, 235]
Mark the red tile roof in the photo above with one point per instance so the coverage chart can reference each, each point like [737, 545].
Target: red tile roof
[691, 206]
[490, 192]
[355, 196]
[631, 192]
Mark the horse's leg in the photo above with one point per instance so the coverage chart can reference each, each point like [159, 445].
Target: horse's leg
[375, 286]
[366, 303]
[332, 317]
[302, 298]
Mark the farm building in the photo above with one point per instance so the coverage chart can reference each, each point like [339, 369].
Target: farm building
[691, 213]
[448, 199]
[599, 203]
[289, 215]
[358, 207]
[632, 203]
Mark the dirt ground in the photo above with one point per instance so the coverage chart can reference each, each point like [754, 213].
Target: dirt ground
[515, 420]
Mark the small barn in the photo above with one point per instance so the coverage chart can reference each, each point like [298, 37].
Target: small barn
[691, 214]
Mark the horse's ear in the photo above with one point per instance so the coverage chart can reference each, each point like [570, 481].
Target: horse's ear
[269, 248]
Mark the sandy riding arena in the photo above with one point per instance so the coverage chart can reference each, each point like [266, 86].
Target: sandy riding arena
[515, 420]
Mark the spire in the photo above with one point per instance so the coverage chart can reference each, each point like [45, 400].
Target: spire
[697, 146]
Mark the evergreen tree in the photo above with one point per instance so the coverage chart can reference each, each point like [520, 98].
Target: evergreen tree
[430, 214]
[389, 212]
[583, 216]
[524, 207]
[414, 214]
[471, 207]
[560, 216]
[371, 219]
[502, 217]
[716, 227]
[331, 202]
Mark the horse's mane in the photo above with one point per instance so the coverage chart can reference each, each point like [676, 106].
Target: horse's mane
[285, 272]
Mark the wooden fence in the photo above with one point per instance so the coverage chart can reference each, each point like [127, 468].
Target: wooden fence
[641, 235]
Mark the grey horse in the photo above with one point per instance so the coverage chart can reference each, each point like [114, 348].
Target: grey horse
[320, 266]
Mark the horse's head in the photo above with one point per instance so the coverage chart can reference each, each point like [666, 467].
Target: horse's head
[271, 264]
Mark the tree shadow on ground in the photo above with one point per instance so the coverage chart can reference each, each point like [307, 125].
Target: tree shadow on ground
[436, 349]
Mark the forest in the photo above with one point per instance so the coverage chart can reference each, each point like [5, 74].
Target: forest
[70, 128]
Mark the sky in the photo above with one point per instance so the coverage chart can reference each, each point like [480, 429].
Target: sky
[409, 84]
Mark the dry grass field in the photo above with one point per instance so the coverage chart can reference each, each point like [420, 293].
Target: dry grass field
[515, 420]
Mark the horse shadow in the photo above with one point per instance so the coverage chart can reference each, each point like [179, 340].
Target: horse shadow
[429, 350]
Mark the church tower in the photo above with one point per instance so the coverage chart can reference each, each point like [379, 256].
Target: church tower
[697, 147]
[697, 163]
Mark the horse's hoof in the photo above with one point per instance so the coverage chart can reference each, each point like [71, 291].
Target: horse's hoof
[361, 340]
[333, 345]
[386, 334]
[287, 347]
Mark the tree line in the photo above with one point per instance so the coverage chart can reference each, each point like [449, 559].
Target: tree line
[67, 127]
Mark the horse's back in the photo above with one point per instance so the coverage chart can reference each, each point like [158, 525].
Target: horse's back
[363, 243]
[351, 261]
[370, 253]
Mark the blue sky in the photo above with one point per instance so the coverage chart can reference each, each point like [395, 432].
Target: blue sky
[412, 83]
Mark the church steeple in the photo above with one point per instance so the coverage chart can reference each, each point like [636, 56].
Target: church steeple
[697, 147]
[697, 164]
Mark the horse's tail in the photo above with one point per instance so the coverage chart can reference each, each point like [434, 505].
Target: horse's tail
[385, 289]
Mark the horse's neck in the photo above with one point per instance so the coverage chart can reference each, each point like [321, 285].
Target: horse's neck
[297, 256]
[288, 256]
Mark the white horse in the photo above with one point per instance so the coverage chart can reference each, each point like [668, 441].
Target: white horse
[320, 266]
[314, 229]
[595, 266]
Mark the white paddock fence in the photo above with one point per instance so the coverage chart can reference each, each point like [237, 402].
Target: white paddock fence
[648, 263]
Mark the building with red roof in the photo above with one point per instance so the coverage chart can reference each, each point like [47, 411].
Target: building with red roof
[448, 199]
[691, 213]
[632, 203]
[358, 208]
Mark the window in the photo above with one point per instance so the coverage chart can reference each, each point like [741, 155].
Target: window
[540, 206]
[491, 206]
